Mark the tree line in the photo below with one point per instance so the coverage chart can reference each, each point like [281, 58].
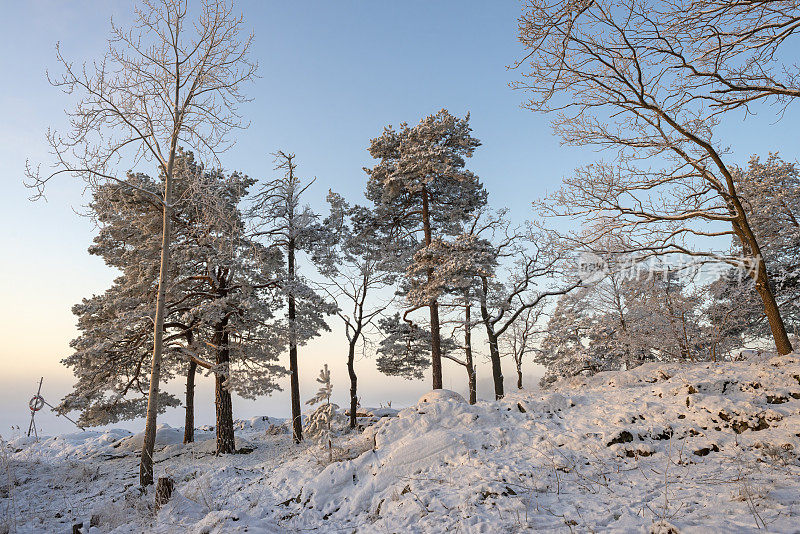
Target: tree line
[210, 261]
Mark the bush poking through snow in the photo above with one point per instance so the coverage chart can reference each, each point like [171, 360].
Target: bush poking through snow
[663, 527]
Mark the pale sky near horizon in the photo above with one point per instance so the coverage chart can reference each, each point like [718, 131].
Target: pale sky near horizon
[332, 75]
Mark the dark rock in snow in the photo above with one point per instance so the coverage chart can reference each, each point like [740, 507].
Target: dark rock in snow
[704, 451]
[622, 437]
[777, 399]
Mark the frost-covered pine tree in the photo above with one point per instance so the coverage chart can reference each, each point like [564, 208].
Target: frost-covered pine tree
[563, 352]
[421, 188]
[284, 224]
[358, 259]
[218, 310]
[670, 311]
[235, 296]
[733, 316]
[405, 349]
[110, 355]
[626, 318]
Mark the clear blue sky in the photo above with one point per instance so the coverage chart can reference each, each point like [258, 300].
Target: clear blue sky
[332, 75]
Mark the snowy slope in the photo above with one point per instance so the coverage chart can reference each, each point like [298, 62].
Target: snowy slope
[696, 446]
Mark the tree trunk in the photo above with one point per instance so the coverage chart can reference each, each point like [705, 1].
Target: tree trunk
[771, 310]
[226, 441]
[494, 349]
[519, 375]
[353, 382]
[188, 425]
[741, 227]
[297, 422]
[473, 386]
[436, 340]
[149, 442]
[497, 370]
[436, 347]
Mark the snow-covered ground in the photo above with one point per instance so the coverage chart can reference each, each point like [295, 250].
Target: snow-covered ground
[698, 447]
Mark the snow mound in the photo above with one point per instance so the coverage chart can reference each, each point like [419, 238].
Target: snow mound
[165, 436]
[440, 395]
[73, 446]
[209, 445]
[597, 454]
[260, 423]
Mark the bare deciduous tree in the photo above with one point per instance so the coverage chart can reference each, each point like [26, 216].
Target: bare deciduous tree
[358, 258]
[733, 50]
[170, 80]
[502, 305]
[467, 323]
[521, 340]
[609, 72]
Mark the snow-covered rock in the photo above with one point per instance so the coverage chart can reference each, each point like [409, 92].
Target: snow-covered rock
[437, 395]
[260, 423]
[165, 435]
[382, 412]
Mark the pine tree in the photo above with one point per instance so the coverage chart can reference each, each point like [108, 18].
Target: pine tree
[624, 319]
[733, 315]
[291, 228]
[235, 296]
[218, 311]
[670, 316]
[457, 265]
[109, 358]
[422, 189]
[563, 351]
[405, 349]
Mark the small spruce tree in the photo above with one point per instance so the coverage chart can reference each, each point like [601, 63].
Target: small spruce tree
[320, 422]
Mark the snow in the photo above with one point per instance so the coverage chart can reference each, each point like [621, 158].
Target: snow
[662, 448]
[165, 435]
[258, 423]
[440, 395]
[382, 412]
